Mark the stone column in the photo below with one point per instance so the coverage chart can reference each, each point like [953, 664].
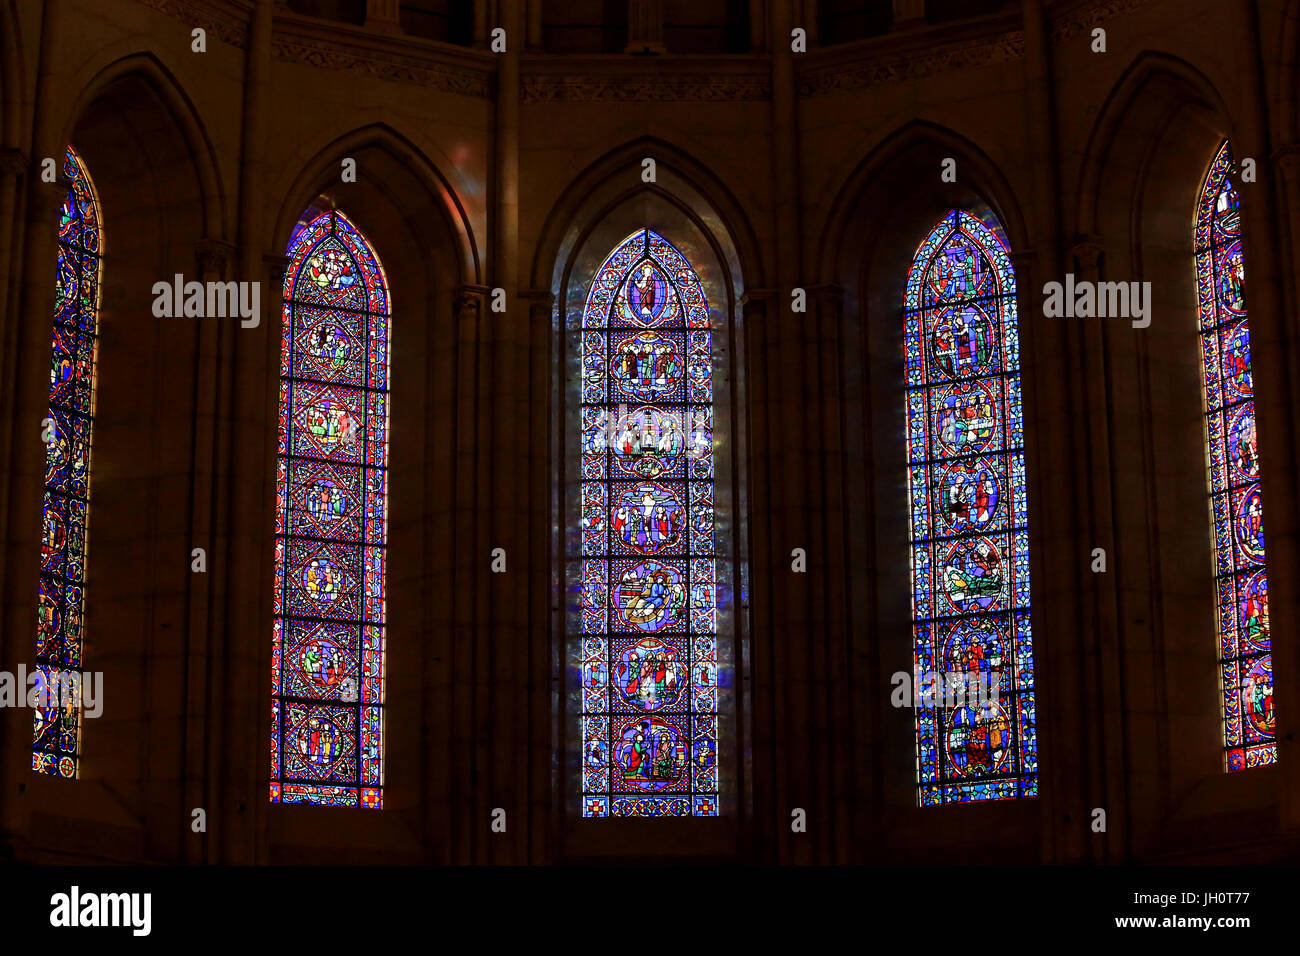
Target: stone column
[13, 163]
[539, 478]
[384, 16]
[762, 679]
[645, 27]
[471, 645]
[811, 21]
[534, 15]
[243, 470]
[504, 432]
[26, 403]
[213, 258]
[1099, 674]
[909, 13]
[832, 655]
[1054, 393]
[790, 387]
[1272, 299]
[1286, 662]
[757, 27]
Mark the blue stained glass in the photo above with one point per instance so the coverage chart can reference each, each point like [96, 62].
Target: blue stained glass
[975, 725]
[1236, 502]
[331, 521]
[649, 580]
[60, 623]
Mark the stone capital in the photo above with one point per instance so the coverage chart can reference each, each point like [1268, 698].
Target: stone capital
[276, 266]
[543, 299]
[828, 293]
[467, 301]
[1087, 251]
[212, 255]
[757, 297]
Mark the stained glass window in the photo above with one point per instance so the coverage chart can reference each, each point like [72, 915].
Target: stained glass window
[969, 519]
[1246, 661]
[60, 621]
[649, 609]
[331, 521]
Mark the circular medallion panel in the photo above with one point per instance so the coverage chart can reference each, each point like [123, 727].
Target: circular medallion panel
[650, 753]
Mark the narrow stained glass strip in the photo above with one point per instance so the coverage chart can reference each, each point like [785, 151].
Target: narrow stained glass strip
[60, 609]
[976, 737]
[649, 589]
[1236, 506]
[331, 522]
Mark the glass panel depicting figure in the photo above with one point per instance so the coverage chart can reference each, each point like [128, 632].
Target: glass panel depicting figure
[1236, 507]
[649, 578]
[969, 519]
[331, 521]
[61, 601]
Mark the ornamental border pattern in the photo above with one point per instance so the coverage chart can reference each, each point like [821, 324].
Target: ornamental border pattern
[213, 17]
[957, 56]
[635, 87]
[1090, 15]
[643, 88]
[395, 67]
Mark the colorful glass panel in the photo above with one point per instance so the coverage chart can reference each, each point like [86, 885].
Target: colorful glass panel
[331, 521]
[60, 621]
[649, 576]
[976, 732]
[1236, 509]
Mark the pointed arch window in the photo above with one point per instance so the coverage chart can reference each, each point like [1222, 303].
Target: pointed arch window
[60, 625]
[1236, 507]
[649, 572]
[331, 521]
[969, 518]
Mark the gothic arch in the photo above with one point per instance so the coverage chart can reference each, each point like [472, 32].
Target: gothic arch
[160, 197]
[1141, 178]
[886, 206]
[389, 166]
[1162, 110]
[116, 70]
[688, 207]
[417, 224]
[614, 179]
[900, 157]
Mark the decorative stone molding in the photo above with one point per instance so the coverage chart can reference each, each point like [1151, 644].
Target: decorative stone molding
[969, 54]
[219, 19]
[467, 303]
[657, 87]
[323, 45]
[1090, 15]
[538, 297]
[276, 266]
[1023, 257]
[212, 255]
[1087, 251]
[384, 65]
[972, 54]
